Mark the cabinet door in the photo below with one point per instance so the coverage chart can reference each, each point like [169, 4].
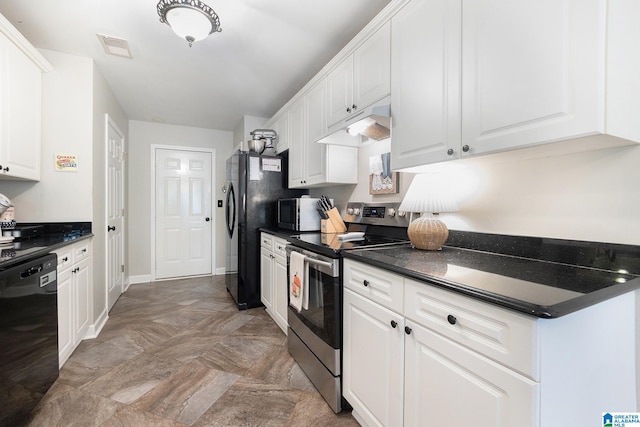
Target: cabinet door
[372, 69]
[280, 292]
[533, 72]
[81, 282]
[297, 145]
[21, 106]
[425, 82]
[266, 278]
[340, 92]
[66, 328]
[455, 385]
[281, 126]
[316, 119]
[373, 361]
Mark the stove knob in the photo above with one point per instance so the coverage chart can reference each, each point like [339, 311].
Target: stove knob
[391, 212]
[349, 211]
[402, 214]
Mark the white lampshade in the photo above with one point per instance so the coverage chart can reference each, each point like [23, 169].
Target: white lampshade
[427, 196]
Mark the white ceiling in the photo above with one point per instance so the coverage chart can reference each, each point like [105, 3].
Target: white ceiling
[266, 52]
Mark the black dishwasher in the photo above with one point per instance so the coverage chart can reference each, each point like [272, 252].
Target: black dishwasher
[28, 335]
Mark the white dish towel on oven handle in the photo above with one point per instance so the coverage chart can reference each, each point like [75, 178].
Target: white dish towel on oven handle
[298, 288]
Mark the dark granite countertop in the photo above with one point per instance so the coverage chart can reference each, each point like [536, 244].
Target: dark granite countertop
[54, 236]
[531, 285]
[541, 277]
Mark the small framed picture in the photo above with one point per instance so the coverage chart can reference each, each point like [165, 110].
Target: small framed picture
[382, 180]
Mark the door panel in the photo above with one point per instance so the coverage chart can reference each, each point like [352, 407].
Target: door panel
[183, 213]
[115, 213]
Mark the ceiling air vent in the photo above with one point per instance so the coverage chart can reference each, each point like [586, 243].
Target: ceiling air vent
[115, 46]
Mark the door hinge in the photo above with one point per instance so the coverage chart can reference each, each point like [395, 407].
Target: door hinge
[122, 268]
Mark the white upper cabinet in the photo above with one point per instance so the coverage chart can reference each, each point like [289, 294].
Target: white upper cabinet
[312, 164]
[532, 72]
[21, 68]
[425, 82]
[473, 77]
[360, 79]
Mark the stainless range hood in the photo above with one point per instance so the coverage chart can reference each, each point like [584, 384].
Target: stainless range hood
[373, 122]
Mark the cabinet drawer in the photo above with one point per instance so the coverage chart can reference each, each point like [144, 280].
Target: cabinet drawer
[378, 285]
[279, 246]
[80, 251]
[266, 241]
[65, 258]
[501, 335]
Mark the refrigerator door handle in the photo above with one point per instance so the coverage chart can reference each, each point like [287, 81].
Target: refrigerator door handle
[231, 219]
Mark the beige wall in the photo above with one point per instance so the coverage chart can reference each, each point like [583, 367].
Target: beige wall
[142, 136]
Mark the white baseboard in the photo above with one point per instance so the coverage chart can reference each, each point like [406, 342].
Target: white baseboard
[125, 286]
[220, 271]
[94, 329]
[143, 278]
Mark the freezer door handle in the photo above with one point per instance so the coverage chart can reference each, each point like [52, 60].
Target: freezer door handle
[229, 214]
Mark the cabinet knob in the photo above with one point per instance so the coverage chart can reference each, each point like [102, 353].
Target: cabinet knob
[348, 110]
[6, 169]
[450, 151]
[394, 324]
[354, 107]
[407, 330]
[109, 228]
[207, 219]
[65, 259]
[452, 319]
[365, 282]
[465, 148]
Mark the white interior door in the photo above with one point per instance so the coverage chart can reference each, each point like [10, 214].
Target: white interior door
[115, 213]
[183, 223]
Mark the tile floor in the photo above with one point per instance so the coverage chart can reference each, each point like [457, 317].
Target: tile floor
[179, 353]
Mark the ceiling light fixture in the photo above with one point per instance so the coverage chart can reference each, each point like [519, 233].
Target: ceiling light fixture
[191, 20]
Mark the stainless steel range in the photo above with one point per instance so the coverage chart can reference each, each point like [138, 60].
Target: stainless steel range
[315, 334]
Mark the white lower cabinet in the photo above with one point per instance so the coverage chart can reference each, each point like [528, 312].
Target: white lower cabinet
[463, 387]
[398, 371]
[419, 355]
[74, 297]
[373, 362]
[273, 278]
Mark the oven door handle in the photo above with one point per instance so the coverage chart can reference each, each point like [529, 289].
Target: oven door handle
[317, 262]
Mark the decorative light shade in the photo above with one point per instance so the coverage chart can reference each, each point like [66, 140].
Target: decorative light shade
[427, 197]
[191, 20]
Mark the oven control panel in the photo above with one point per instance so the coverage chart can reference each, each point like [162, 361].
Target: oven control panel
[376, 214]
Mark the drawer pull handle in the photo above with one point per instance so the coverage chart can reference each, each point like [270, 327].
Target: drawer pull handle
[451, 319]
[407, 330]
[365, 282]
[394, 324]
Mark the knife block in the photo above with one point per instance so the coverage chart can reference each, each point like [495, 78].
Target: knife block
[334, 224]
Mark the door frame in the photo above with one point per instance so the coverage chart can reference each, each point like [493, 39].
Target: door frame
[109, 122]
[152, 240]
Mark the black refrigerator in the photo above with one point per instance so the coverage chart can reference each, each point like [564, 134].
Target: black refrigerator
[254, 184]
